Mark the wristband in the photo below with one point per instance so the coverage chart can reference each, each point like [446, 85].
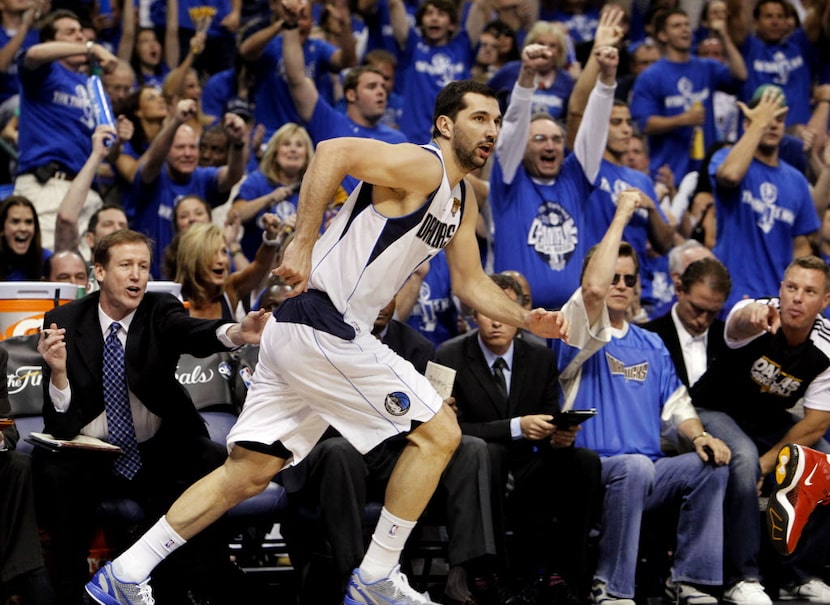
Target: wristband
[89, 46]
[696, 437]
[286, 26]
[240, 145]
[235, 251]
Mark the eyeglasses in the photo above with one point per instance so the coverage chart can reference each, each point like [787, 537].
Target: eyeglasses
[555, 139]
[628, 279]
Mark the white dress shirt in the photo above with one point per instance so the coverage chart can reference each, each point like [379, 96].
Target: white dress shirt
[692, 347]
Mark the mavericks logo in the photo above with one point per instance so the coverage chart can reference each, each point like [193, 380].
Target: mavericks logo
[397, 403]
[637, 372]
[554, 235]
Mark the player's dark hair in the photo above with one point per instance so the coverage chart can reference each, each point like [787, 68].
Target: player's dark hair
[450, 100]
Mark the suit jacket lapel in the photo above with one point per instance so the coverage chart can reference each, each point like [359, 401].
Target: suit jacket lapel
[90, 339]
[676, 350]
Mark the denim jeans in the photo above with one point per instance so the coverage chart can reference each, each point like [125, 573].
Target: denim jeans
[635, 484]
[743, 530]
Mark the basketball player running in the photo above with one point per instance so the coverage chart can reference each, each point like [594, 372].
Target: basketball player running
[319, 363]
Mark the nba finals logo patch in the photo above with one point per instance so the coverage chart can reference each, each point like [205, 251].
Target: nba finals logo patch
[456, 204]
[397, 403]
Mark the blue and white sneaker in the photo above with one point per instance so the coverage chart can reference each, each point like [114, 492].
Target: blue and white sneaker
[394, 590]
[106, 589]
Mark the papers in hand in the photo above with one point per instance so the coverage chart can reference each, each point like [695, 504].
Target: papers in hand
[441, 378]
[81, 442]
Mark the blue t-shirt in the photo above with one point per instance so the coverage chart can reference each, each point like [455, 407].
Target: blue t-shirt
[149, 207]
[668, 89]
[56, 121]
[553, 100]
[256, 185]
[217, 91]
[424, 70]
[658, 293]
[790, 64]
[156, 80]
[757, 222]
[9, 83]
[434, 313]
[581, 27]
[540, 230]
[628, 381]
[273, 105]
[327, 123]
[18, 274]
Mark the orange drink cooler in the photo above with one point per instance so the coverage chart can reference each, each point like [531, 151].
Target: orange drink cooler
[23, 304]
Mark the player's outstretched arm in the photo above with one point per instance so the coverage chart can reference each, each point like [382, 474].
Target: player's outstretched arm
[473, 287]
[408, 169]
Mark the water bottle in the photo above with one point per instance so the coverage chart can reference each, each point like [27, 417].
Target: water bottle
[101, 110]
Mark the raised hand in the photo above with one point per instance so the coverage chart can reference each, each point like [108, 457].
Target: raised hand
[185, 109]
[609, 31]
[608, 59]
[768, 109]
[548, 324]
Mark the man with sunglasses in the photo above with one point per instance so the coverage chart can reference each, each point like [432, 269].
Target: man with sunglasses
[626, 373]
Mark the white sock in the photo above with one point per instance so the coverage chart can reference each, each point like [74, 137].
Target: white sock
[384, 550]
[137, 562]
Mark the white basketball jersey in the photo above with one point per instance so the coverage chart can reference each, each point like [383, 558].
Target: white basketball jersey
[364, 258]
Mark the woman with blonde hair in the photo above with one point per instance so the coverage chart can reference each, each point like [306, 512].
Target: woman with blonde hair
[553, 82]
[274, 186]
[203, 270]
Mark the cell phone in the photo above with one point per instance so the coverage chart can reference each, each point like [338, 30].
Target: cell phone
[571, 418]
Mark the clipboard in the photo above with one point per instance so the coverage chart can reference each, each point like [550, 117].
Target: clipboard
[80, 443]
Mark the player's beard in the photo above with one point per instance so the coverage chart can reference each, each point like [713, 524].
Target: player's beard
[465, 150]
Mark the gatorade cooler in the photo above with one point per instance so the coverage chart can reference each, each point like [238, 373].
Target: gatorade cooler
[170, 287]
[22, 304]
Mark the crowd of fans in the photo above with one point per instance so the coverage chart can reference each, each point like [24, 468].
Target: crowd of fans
[719, 122]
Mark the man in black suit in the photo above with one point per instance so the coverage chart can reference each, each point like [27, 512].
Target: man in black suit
[691, 331]
[173, 448]
[21, 561]
[556, 487]
[694, 337]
